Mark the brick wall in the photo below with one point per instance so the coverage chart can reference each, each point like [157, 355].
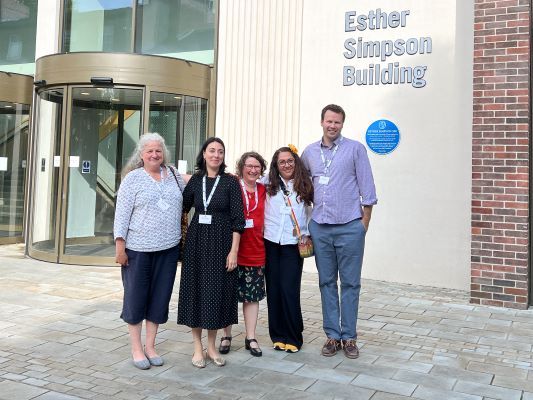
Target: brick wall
[500, 153]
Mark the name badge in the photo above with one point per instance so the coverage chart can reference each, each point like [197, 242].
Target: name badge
[285, 210]
[323, 180]
[162, 204]
[205, 219]
[249, 223]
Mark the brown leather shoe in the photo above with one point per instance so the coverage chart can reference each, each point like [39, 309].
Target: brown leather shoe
[330, 347]
[350, 348]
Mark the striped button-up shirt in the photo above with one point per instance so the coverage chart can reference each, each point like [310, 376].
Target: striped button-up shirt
[350, 185]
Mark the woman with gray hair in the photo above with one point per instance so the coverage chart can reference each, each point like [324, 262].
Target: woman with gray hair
[147, 232]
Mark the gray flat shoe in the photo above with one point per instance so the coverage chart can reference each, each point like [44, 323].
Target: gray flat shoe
[142, 364]
[155, 361]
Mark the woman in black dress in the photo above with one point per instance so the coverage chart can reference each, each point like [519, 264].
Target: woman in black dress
[207, 297]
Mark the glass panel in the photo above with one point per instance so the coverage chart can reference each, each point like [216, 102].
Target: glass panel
[165, 114]
[46, 169]
[105, 125]
[194, 129]
[182, 121]
[18, 26]
[14, 126]
[97, 25]
[176, 28]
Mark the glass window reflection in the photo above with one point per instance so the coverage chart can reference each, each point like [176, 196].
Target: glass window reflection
[97, 25]
[180, 29]
[18, 26]
[182, 121]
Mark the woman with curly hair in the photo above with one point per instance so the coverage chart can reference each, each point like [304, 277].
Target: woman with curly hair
[287, 208]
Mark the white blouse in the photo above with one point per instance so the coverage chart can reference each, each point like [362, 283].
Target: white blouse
[278, 224]
[139, 218]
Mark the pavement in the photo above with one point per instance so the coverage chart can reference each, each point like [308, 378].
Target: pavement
[61, 338]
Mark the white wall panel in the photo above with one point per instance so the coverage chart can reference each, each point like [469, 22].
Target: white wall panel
[48, 17]
[258, 77]
[420, 229]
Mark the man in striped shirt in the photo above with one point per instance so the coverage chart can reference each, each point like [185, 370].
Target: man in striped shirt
[344, 193]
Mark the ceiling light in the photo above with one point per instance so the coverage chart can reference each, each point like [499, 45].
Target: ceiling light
[85, 93]
[8, 106]
[159, 101]
[115, 99]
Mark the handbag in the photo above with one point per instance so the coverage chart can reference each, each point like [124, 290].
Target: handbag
[184, 221]
[305, 249]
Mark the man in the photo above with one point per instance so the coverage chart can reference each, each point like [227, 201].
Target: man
[343, 199]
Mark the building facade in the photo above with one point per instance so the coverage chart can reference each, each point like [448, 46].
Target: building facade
[439, 93]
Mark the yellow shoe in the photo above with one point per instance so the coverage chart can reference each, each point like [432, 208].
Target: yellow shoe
[289, 348]
[279, 346]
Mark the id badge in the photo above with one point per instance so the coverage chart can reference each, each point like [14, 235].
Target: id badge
[205, 219]
[249, 223]
[285, 210]
[162, 204]
[323, 180]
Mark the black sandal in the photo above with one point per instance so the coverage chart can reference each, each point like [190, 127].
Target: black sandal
[256, 352]
[224, 349]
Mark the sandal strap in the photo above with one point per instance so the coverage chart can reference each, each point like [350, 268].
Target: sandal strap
[252, 340]
[228, 338]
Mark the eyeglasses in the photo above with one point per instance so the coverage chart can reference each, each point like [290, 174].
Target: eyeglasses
[288, 163]
[249, 166]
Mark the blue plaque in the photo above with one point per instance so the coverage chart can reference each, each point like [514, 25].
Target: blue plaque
[382, 136]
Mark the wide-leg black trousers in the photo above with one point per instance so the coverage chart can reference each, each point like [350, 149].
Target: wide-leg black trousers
[283, 273]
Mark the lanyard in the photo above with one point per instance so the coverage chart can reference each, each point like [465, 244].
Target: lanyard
[283, 187]
[206, 202]
[159, 185]
[248, 211]
[327, 163]
[296, 226]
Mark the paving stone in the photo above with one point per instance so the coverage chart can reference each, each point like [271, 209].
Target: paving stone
[389, 396]
[384, 385]
[513, 383]
[499, 370]
[74, 344]
[273, 365]
[430, 381]
[426, 393]
[341, 391]
[16, 390]
[56, 396]
[325, 374]
[381, 371]
[404, 364]
[289, 380]
[35, 382]
[494, 392]
[457, 373]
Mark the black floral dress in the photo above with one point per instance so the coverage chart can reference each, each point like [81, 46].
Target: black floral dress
[207, 297]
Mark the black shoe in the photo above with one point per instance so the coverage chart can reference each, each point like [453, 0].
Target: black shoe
[224, 349]
[256, 352]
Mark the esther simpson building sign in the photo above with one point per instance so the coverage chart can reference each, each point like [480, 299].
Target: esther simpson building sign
[376, 73]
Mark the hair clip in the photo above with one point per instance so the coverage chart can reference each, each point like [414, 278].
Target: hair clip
[293, 148]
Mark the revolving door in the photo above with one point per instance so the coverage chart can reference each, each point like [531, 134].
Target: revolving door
[83, 136]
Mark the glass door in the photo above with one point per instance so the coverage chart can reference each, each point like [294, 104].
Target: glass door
[84, 136]
[14, 127]
[45, 174]
[104, 127]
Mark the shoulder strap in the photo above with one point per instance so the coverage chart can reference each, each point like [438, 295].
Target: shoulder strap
[176, 178]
